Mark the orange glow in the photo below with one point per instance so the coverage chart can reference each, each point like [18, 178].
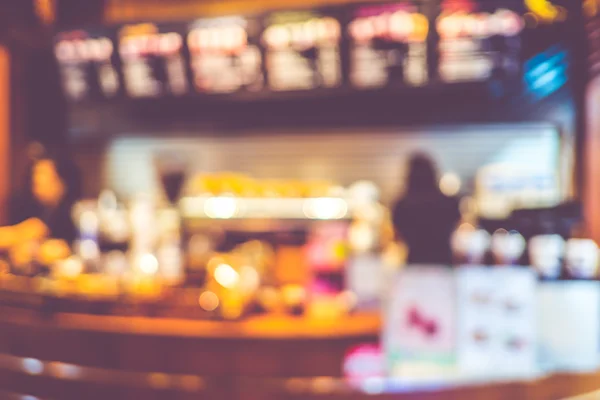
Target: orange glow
[399, 26]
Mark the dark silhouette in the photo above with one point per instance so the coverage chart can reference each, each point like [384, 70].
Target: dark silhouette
[424, 217]
[56, 216]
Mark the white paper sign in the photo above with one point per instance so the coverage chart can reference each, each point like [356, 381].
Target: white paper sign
[419, 332]
[496, 321]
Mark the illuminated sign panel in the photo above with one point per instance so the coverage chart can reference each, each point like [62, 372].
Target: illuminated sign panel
[477, 43]
[225, 55]
[86, 65]
[152, 61]
[388, 46]
[302, 51]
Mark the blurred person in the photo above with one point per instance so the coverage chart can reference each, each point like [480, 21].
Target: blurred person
[41, 213]
[424, 218]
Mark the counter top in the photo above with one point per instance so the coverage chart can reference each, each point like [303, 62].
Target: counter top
[259, 327]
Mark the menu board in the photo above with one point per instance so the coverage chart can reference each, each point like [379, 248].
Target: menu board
[388, 46]
[225, 55]
[478, 41]
[86, 65]
[302, 51]
[152, 61]
[395, 44]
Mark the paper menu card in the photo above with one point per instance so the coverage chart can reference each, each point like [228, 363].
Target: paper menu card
[419, 327]
[569, 325]
[496, 320]
[470, 321]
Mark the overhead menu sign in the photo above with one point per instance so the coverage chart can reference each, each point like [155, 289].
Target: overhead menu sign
[478, 41]
[86, 65]
[152, 61]
[388, 46]
[396, 44]
[225, 55]
[302, 51]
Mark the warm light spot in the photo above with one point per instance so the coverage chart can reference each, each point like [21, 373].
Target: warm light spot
[159, 381]
[364, 192]
[149, 264]
[88, 221]
[295, 385]
[268, 297]
[213, 263]
[71, 268]
[325, 208]
[88, 249]
[116, 263]
[208, 301]
[46, 11]
[348, 299]
[4, 267]
[226, 276]
[293, 294]
[361, 236]
[221, 207]
[191, 383]
[450, 184]
[323, 385]
[65, 371]
[249, 279]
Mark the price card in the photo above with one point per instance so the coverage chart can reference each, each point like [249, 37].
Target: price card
[302, 51]
[152, 61]
[496, 321]
[420, 322]
[87, 68]
[569, 325]
[225, 54]
[388, 45]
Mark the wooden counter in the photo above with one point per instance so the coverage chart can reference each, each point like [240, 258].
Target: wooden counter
[181, 359]
[74, 356]
[261, 327]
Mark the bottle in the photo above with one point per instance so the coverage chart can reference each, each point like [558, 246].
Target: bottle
[581, 254]
[581, 259]
[469, 245]
[546, 250]
[507, 247]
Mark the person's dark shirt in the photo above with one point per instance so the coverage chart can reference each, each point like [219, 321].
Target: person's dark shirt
[425, 221]
[58, 218]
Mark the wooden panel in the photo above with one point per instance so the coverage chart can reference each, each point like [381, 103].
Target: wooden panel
[5, 158]
[591, 186]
